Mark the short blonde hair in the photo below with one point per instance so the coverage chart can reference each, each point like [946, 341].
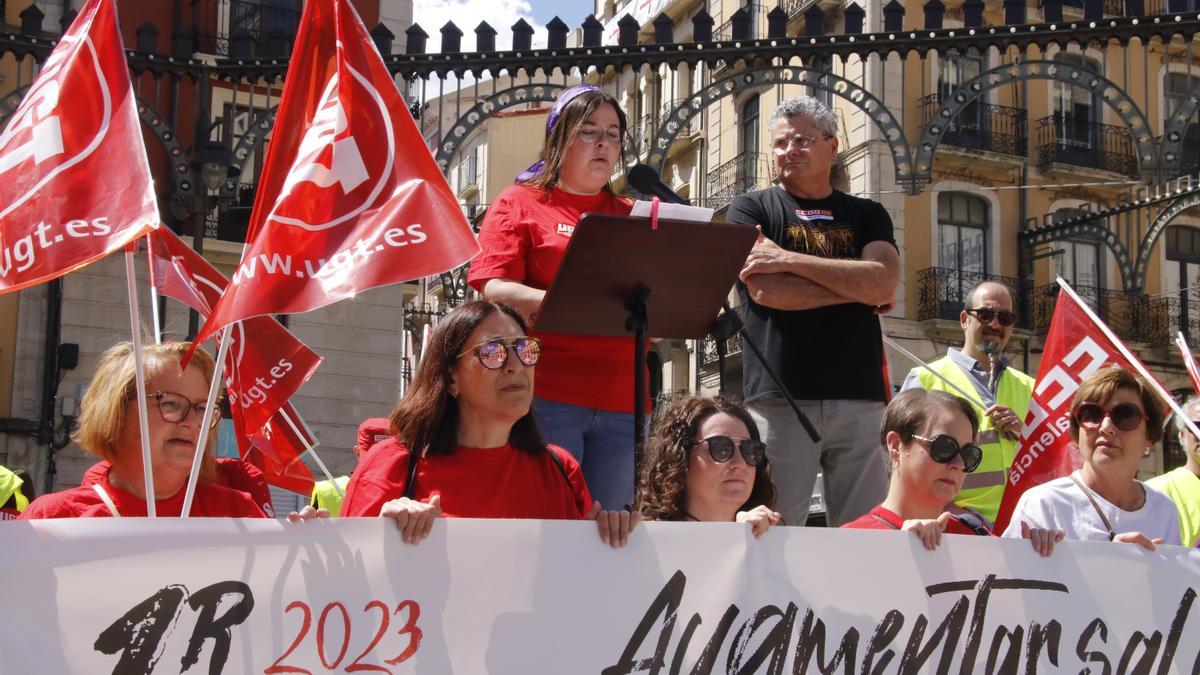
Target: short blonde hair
[105, 407]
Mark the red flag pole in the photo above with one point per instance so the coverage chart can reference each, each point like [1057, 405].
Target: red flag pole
[312, 450]
[140, 379]
[1129, 356]
[205, 423]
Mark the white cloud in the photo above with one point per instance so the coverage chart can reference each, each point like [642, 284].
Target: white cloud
[467, 14]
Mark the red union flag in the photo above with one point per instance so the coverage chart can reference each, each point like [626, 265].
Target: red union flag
[349, 198]
[62, 205]
[265, 364]
[276, 448]
[1076, 346]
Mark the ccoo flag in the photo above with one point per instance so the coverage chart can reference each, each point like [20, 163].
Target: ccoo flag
[61, 204]
[349, 198]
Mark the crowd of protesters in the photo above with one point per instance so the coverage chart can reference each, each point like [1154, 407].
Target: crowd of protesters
[477, 435]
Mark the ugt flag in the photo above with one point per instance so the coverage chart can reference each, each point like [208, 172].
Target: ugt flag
[62, 205]
[1076, 346]
[349, 198]
[265, 364]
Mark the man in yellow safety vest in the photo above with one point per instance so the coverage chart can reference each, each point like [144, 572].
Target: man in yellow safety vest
[1000, 393]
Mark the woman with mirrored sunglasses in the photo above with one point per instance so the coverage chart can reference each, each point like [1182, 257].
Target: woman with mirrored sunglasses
[1115, 419]
[465, 442]
[930, 439]
[109, 427]
[584, 395]
[706, 462]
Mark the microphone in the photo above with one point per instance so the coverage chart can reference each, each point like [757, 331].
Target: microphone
[646, 181]
[992, 349]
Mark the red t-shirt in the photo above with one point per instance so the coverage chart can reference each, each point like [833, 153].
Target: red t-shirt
[231, 473]
[473, 483]
[210, 501]
[880, 518]
[523, 238]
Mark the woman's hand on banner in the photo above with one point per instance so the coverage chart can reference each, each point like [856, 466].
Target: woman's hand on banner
[929, 530]
[1139, 539]
[414, 518]
[614, 526]
[760, 518]
[307, 513]
[1043, 540]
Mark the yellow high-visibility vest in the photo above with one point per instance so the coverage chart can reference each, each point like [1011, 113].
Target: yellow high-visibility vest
[325, 496]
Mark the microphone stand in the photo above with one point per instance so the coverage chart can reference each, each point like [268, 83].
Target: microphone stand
[726, 325]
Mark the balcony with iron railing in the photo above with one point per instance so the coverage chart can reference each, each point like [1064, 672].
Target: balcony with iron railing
[1078, 141]
[757, 12]
[942, 292]
[1177, 315]
[245, 27]
[744, 173]
[1138, 318]
[982, 126]
[708, 349]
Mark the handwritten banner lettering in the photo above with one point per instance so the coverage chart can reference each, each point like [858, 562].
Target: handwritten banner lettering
[231, 596]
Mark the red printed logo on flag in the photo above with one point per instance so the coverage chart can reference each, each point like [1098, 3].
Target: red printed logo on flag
[61, 204]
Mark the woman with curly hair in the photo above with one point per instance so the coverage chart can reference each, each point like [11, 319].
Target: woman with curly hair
[706, 462]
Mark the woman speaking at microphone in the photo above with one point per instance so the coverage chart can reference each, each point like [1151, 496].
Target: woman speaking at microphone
[584, 395]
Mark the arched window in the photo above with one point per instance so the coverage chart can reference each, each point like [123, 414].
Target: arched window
[748, 140]
[1080, 261]
[955, 68]
[1177, 87]
[1076, 108]
[963, 222]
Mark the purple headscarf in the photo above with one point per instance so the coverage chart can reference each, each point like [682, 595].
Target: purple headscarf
[566, 97]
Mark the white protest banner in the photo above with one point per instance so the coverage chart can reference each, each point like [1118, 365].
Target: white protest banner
[238, 596]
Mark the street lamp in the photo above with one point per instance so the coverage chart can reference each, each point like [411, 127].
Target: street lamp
[211, 164]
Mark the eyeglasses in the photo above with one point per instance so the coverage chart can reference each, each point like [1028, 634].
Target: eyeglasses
[986, 315]
[801, 142]
[493, 354]
[1126, 416]
[720, 448]
[943, 449]
[175, 408]
[593, 134]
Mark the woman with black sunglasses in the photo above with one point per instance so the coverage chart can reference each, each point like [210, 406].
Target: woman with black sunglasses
[1115, 418]
[930, 438]
[465, 443]
[706, 462]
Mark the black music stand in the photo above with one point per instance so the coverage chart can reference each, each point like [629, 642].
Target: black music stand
[619, 272]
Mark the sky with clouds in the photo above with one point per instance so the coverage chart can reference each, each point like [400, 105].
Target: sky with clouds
[500, 14]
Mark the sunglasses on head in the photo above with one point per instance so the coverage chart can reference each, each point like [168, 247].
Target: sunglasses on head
[493, 354]
[986, 315]
[943, 449]
[1126, 416]
[720, 448]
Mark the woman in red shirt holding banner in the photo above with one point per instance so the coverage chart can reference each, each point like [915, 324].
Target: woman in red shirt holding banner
[585, 388]
[466, 443]
[109, 428]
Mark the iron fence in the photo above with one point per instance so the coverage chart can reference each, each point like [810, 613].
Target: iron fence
[708, 348]
[756, 13]
[983, 126]
[1138, 318]
[1076, 140]
[744, 173]
[942, 292]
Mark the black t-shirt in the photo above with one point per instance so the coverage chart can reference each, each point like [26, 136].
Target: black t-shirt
[833, 352]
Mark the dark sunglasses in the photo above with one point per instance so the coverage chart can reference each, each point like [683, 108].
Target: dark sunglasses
[1126, 416]
[493, 354]
[943, 449]
[986, 315]
[720, 448]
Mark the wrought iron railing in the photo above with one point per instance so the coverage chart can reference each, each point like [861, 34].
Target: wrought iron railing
[942, 292]
[745, 172]
[1180, 315]
[758, 22]
[245, 27]
[668, 107]
[983, 126]
[1138, 318]
[1070, 139]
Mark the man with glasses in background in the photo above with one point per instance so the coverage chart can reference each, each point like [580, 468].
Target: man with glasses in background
[1182, 484]
[1000, 393]
[810, 293]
